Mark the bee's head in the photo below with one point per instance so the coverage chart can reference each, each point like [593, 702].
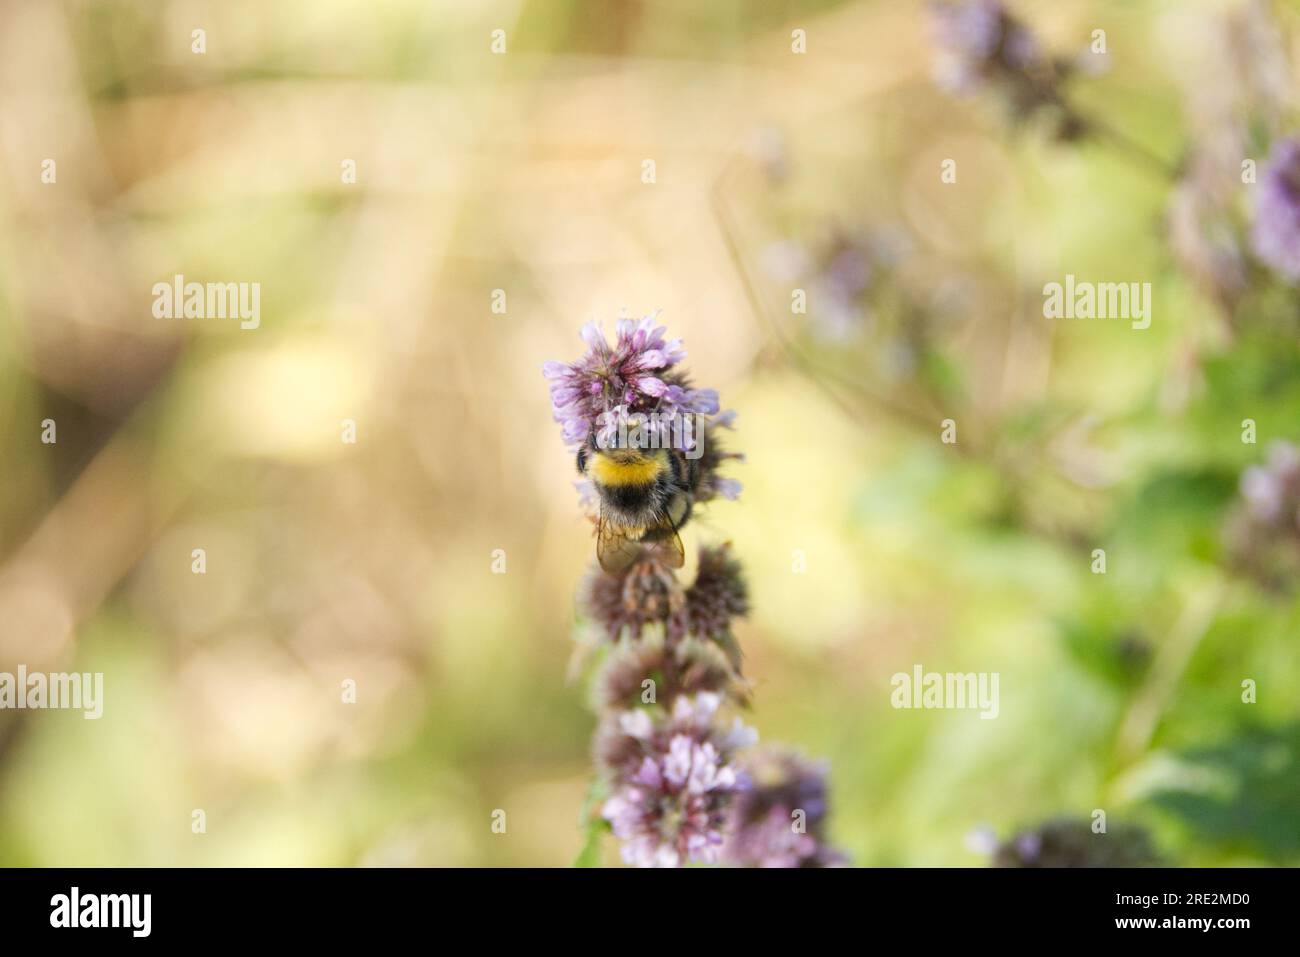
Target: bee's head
[623, 456]
[623, 444]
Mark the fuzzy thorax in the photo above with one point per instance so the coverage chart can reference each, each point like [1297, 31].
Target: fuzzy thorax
[618, 469]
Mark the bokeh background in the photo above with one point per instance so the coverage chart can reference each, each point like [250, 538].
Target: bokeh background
[523, 172]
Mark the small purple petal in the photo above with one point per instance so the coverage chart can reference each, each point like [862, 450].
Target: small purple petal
[648, 774]
[593, 336]
[704, 401]
[575, 430]
[651, 386]
[654, 359]
[728, 488]
[1275, 233]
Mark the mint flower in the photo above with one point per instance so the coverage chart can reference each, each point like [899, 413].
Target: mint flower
[981, 43]
[778, 816]
[635, 375]
[648, 595]
[1262, 534]
[686, 667]
[1275, 234]
[1065, 842]
[672, 782]
[717, 596]
[667, 765]
[627, 602]
[1271, 492]
[983, 47]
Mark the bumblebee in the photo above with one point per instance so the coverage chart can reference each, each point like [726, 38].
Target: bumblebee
[646, 496]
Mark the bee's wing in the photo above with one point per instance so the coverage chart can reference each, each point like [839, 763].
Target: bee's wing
[670, 547]
[667, 544]
[678, 512]
[615, 548]
[618, 546]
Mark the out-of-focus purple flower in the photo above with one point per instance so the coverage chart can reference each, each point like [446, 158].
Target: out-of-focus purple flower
[1202, 231]
[672, 781]
[1243, 90]
[980, 41]
[634, 375]
[1262, 535]
[779, 814]
[970, 32]
[849, 270]
[838, 273]
[728, 488]
[1275, 234]
[1272, 491]
[837, 293]
[982, 840]
[982, 46]
[1028, 846]
[1072, 843]
[843, 271]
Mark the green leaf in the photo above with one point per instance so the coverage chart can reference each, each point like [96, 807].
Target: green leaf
[1242, 794]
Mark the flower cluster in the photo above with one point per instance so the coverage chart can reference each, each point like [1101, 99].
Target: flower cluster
[1066, 842]
[1229, 108]
[674, 668]
[648, 593]
[779, 814]
[842, 270]
[1263, 533]
[1272, 491]
[673, 779]
[636, 383]
[980, 43]
[1275, 232]
[982, 46]
[878, 293]
[635, 375]
[679, 785]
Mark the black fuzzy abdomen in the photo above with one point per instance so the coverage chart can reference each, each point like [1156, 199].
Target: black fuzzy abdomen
[628, 498]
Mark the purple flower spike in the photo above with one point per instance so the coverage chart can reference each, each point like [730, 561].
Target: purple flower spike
[977, 39]
[635, 373]
[1275, 235]
[669, 769]
[673, 782]
[778, 817]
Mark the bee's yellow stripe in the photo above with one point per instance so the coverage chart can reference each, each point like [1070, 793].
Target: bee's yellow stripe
[641, 471]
